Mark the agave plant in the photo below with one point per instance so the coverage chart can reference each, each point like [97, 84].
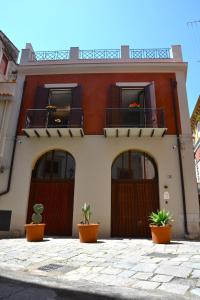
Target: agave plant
[161, 218]
[86, 214]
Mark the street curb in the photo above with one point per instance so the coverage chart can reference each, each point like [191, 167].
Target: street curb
[87, 290]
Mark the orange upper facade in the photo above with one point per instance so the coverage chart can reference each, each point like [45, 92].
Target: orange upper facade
[96, 95]
[118, 91]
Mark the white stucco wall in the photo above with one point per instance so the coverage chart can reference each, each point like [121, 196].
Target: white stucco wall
[94, 156]
[8, 132]
[9, 115]
[187, 152]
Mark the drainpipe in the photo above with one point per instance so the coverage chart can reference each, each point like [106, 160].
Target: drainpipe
[174, 100]
[14, 148]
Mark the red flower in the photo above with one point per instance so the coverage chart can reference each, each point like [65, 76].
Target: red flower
[134, 105]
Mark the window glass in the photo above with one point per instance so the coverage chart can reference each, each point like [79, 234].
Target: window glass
[55, 165]
[149, 169]
[133, 165]
[132, 96]
[137, 165]
[121, 167]
[132, 101]
[61, 98]
[43, 169]
[59, 164]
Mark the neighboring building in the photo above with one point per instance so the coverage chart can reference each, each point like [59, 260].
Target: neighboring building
[195, 124]
[104, 127]
[10, 99]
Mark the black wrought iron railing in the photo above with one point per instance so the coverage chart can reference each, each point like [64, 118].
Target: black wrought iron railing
[157, 53]
[100, 54]
[135, 117]
[51, 55]
[54, 118]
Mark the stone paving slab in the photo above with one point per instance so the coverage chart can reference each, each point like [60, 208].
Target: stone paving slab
[162, 278]
[177, 271]
[125, 266]
[179, 289]
[195, 274]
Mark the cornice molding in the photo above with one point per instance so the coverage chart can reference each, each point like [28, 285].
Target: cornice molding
[103, 67]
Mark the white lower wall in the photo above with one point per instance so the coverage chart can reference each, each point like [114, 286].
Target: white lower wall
[94, 156]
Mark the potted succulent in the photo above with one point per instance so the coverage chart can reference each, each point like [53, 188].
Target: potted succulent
[160, 226]
[87, 231]
[35, 230]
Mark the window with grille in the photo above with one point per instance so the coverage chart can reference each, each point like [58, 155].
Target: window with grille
[55, 165]
[134, 165]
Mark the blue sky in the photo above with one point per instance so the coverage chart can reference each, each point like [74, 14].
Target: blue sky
[92, 24]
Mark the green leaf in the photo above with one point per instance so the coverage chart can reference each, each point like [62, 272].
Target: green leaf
[86, 212]
[161, 218]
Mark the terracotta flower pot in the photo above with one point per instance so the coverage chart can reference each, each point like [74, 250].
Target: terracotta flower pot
[88, 232]
[161, 234]
[34, 232]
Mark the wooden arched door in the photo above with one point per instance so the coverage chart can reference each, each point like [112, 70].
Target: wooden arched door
[52, 184]
[134, 194]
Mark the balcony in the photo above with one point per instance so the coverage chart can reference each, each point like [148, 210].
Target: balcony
[7, 88]
[135, 122]
[56, 122]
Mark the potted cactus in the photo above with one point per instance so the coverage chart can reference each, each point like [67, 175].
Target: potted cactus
[87, 231]
[35, 230]
[160, 226]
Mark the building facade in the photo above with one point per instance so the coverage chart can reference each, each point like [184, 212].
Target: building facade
[106, 127]
[195, 124]
[9, 109]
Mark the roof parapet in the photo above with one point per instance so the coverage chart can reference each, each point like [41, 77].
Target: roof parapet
[177, 52]
[124, 54]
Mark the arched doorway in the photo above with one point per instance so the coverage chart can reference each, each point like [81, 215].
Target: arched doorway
[52, 184]
[134, 194]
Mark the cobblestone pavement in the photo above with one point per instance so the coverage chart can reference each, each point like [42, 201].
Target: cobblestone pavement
[115, 267]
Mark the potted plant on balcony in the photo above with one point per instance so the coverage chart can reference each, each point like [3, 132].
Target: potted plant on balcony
[134, 104]
[35, 230]
[87, 231]
[51, 108]
[160, 226]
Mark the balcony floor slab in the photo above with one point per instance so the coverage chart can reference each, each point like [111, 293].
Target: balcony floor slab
[134, 132]
[53, 132]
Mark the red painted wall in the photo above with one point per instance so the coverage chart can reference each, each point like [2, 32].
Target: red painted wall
[96, 95]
